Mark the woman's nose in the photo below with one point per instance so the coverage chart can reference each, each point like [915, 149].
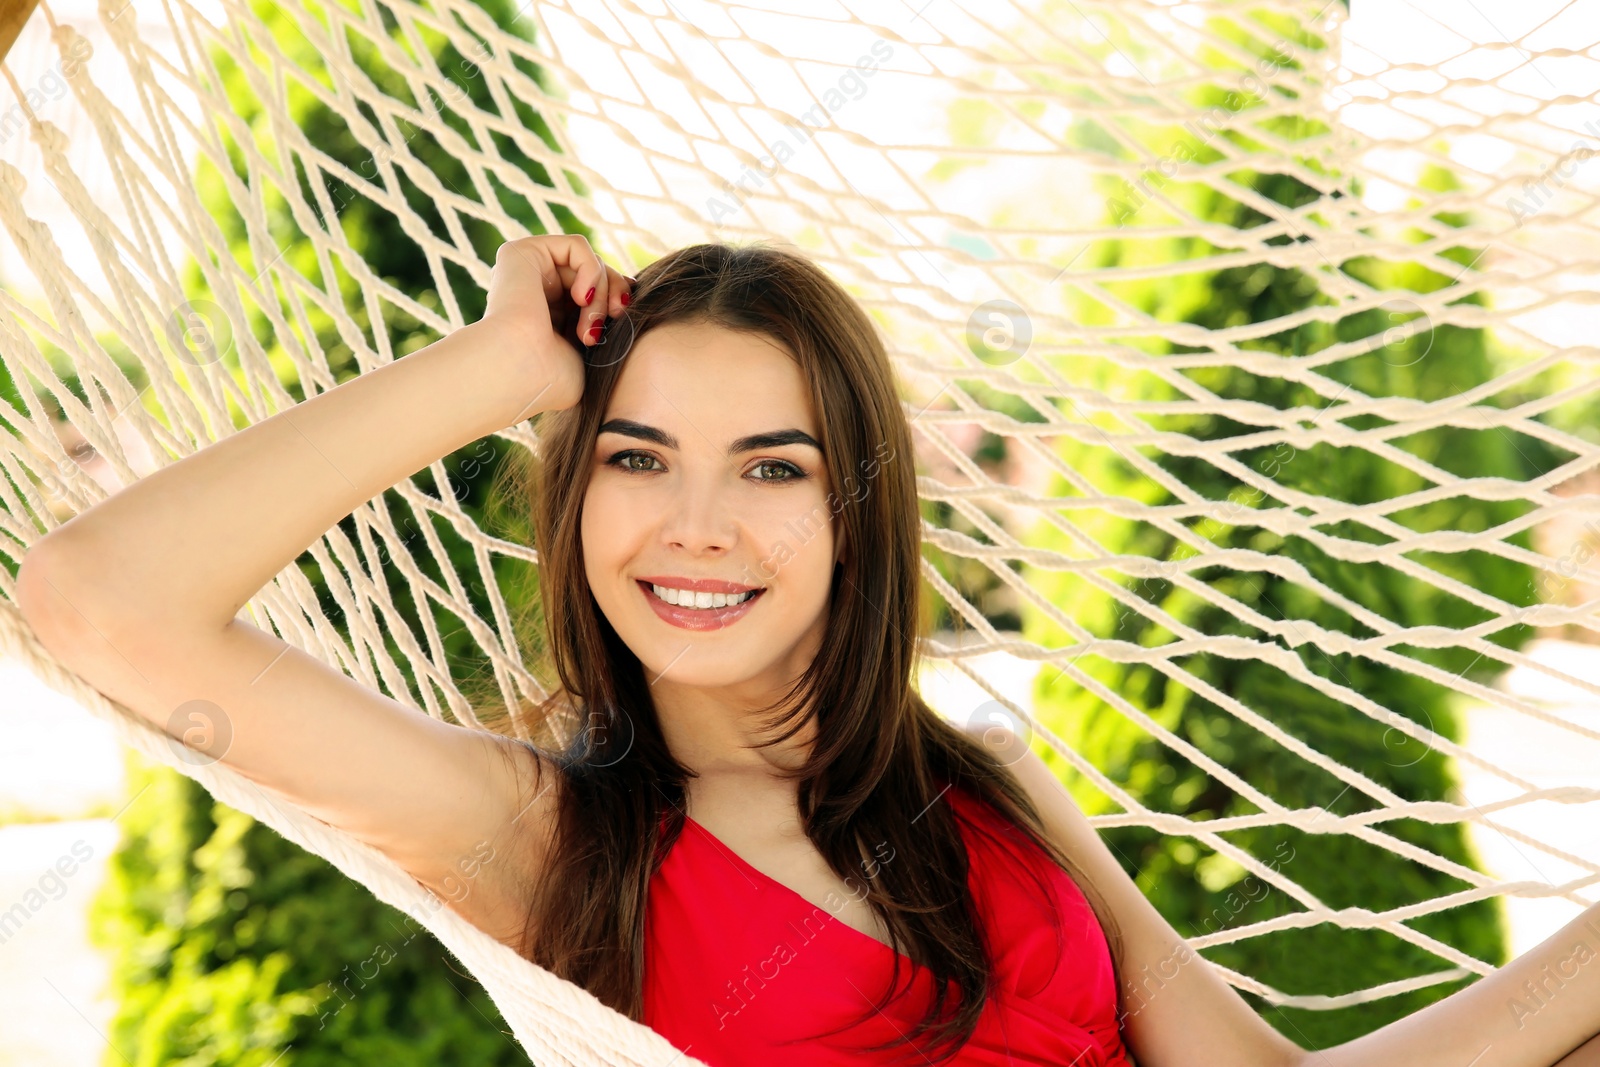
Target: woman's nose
[701, 516]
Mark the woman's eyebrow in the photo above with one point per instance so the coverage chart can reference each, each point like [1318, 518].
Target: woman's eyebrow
[750, 443]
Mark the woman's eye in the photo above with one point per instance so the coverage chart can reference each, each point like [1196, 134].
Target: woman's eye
[624, 462]
[789, 472]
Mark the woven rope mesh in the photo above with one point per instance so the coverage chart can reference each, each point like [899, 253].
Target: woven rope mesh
[1366, 474]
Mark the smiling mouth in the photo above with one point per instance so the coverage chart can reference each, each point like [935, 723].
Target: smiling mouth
[747, 597]
[693, 618]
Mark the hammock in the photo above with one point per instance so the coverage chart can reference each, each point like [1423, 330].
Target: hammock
[702, 152]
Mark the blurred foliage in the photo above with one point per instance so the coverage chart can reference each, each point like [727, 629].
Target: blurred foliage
[231, 945]
[1199, 891]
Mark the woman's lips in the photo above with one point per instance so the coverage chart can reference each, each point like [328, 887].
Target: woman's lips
[698, 618]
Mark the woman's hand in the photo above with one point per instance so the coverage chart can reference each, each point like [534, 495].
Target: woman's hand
[549, 293]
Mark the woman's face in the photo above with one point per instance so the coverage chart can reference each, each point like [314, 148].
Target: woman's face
[707, 472]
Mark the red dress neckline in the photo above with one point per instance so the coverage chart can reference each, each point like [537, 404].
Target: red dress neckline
[780, 887]
[741, 969]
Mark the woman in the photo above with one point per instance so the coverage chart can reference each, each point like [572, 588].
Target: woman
[761, 841]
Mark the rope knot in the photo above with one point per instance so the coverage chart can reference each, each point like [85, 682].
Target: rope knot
[51, 139]
[12, 178]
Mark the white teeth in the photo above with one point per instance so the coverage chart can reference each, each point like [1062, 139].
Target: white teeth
[700, 601]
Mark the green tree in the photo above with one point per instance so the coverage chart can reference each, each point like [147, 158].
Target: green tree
[1198, 890]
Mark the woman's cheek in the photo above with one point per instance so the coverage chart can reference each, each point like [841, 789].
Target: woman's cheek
[798, 537]
[604, 531]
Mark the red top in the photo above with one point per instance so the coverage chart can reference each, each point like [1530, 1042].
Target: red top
[736, 963]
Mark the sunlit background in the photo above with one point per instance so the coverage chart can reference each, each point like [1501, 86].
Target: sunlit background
[61, 770]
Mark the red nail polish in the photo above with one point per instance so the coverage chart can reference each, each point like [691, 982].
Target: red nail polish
[594, 331]
[588, 296]
[625, 299]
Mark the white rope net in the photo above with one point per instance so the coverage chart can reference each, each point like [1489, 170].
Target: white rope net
[1119, 152]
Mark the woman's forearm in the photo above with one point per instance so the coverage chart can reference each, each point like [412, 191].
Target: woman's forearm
[1585, 1055]
[1533, 1012]
[191, 543]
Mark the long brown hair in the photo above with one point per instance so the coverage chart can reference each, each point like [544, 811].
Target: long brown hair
[881, 756]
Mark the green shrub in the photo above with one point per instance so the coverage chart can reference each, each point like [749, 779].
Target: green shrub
[233, 946]
[1198, 890]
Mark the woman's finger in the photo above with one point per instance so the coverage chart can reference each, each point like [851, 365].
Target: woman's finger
[590, 287]
[621, 288]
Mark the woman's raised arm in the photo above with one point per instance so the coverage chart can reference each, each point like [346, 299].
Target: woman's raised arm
[188, 545]
[138, 595]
